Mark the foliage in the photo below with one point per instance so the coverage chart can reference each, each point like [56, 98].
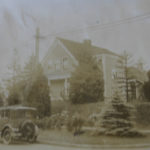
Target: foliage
[38, 95]
[127, 58]
[13, 99]
[29, 86]
[117, 120]
[44, 123]
[2, 96]
[56, 121]
[1, 103]
[75, 123]
[86, 84]
[93, 119]
[146, 87]
[14, 85]
[143, 113]
[59, 106]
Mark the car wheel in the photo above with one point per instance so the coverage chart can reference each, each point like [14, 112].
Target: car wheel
[32, 139]
[7, 136]
[28, 131]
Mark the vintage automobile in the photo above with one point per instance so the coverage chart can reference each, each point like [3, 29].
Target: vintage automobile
[17, 123]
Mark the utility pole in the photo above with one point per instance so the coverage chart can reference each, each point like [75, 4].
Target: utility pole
[126, 75]
[127, 59]
[37, 37]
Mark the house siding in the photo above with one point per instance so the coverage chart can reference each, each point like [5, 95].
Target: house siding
[58, 66]
[113, 72]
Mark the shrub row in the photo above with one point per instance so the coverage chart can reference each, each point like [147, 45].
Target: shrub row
[73, 121]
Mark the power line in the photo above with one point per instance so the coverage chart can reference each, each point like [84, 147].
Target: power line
[106, 25]
[97, 26]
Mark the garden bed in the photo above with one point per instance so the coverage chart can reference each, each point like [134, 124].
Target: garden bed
[63, 136]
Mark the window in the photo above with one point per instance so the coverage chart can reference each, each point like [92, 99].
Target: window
[114, 74]
[50, 65]
[57, 65]
[65, 63]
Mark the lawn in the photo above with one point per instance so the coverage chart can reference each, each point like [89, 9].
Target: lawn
[63, 136]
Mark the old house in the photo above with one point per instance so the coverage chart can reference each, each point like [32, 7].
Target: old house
[62, 58]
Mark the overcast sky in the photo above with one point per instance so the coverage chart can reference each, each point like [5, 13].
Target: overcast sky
[113, 24]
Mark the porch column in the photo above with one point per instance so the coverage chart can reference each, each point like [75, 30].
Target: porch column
[66, 86]
[49, 84]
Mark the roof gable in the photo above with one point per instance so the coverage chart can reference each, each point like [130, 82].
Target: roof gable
[76, 48]
[135, 73]
[53, 47]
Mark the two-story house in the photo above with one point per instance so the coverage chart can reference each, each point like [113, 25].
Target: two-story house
[62, 58]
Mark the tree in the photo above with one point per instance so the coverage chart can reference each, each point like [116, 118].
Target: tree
[2, 97]
[86, 84]
[127, 61]
[29, 87]
[146, 87]
[29, 75]
[117, 119]
[38, 93]
[13, 84]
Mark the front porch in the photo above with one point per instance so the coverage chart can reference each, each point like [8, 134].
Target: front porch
[59, 89]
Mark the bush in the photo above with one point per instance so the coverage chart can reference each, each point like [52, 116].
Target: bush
[44, 123]
[59, 120]
[86, 83]
[143, 113]
[38, 94]
[93, 119]
[75, 124]
[59, 106]
[55, 121]
[146, 87]
[117, 119]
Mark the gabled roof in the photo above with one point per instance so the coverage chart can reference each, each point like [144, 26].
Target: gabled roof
[135, 73]
[76, 48]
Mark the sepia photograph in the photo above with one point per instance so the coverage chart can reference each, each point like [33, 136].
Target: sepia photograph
[74, 74]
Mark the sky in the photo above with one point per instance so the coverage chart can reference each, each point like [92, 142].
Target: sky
[117, 25]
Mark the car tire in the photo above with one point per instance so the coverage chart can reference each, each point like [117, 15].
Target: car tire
[28, 131]
[32, 139]
[7, 136]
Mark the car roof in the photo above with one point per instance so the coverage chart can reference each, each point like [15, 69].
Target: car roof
[14, 107]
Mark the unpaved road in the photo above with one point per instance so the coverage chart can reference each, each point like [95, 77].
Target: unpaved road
[52, 147]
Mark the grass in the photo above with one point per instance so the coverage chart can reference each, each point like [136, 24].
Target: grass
[63, 136]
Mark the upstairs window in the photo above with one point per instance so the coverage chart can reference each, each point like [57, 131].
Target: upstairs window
[65, 63]
[49, 65]
[57, 65]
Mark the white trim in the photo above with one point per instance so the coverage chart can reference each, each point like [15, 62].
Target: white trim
[51, 48]
[68, 52]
